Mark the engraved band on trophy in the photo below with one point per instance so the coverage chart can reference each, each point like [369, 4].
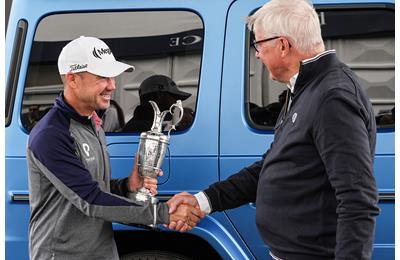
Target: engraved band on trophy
[153, 146]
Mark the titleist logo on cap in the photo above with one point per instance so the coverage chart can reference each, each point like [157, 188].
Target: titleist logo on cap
[98, 52]
[74, 67]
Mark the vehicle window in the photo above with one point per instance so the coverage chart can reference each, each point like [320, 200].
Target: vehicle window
[171, 47]
[363, 39]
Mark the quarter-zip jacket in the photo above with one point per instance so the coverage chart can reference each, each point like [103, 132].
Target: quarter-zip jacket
[314, 189]
[72, 198]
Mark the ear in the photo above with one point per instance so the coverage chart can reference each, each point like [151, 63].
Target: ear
[284, 46]
[70, 80]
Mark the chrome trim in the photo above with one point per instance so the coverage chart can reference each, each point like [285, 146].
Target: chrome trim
[19, 196]
[24, 196]
[387, 196]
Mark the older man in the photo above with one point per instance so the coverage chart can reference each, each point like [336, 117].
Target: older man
[314, 188]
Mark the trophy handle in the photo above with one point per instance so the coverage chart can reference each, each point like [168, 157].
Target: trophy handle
[178, 105]
[158, 118]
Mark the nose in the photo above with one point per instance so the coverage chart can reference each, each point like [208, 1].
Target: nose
[111, 84]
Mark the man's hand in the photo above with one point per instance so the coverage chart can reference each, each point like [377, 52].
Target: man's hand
[135, 181]
[186, 216]
[183, 199]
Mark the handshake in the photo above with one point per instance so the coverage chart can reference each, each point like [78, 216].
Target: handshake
[184, 212]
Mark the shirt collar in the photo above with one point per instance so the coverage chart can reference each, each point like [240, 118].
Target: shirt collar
[292, 82]
[293, 79]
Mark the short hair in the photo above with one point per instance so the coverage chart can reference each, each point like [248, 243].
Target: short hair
[295, 19]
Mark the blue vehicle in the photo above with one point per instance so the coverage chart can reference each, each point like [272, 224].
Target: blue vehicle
[204, 47]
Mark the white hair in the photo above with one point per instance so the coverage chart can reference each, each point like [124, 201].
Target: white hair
[295, 19]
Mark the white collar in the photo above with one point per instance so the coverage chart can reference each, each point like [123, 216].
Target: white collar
[292, 82]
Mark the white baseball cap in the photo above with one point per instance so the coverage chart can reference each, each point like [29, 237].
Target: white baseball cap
[92, 55]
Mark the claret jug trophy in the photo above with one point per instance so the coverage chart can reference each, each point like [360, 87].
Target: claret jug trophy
[153, 146]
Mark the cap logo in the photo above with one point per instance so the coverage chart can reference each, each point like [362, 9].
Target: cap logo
[74, 67]
[99, 52]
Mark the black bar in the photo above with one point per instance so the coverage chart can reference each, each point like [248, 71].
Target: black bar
[15, 67]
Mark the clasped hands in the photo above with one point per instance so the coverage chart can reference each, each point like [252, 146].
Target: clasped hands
[184, 210]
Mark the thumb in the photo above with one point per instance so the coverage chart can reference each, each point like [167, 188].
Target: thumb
[135, 167]
[174, 203]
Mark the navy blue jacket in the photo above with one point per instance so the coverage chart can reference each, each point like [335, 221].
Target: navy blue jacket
[314, 189]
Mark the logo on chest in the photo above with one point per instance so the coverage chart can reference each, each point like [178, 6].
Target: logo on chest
[294, 117]
[86, 150]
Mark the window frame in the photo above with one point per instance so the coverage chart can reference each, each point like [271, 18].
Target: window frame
[248, 38]
[187, 52]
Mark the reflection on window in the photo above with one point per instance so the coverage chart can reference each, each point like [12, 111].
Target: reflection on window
[171, 48]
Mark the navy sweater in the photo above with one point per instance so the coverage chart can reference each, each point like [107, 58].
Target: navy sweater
[314, 189]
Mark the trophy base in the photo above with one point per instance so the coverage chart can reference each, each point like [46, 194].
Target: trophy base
[143, 195]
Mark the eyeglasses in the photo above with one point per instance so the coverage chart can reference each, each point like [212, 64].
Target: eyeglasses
[256, 43]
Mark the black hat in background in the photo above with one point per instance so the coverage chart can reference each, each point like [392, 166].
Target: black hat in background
[161, 83]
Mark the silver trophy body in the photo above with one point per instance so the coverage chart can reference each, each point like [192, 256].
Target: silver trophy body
[153, 145]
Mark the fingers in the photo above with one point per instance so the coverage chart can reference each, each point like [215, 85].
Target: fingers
[153, 191]
[174, 203]
[184, 212]
[178, 226]
[151, 185]
[134, 180]
[172, 225]
[194, 217]
[185, 228]
[198, 213]
[181, 226]
[181, 198]
[136, 161]
[135, 165]
[185, 218]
